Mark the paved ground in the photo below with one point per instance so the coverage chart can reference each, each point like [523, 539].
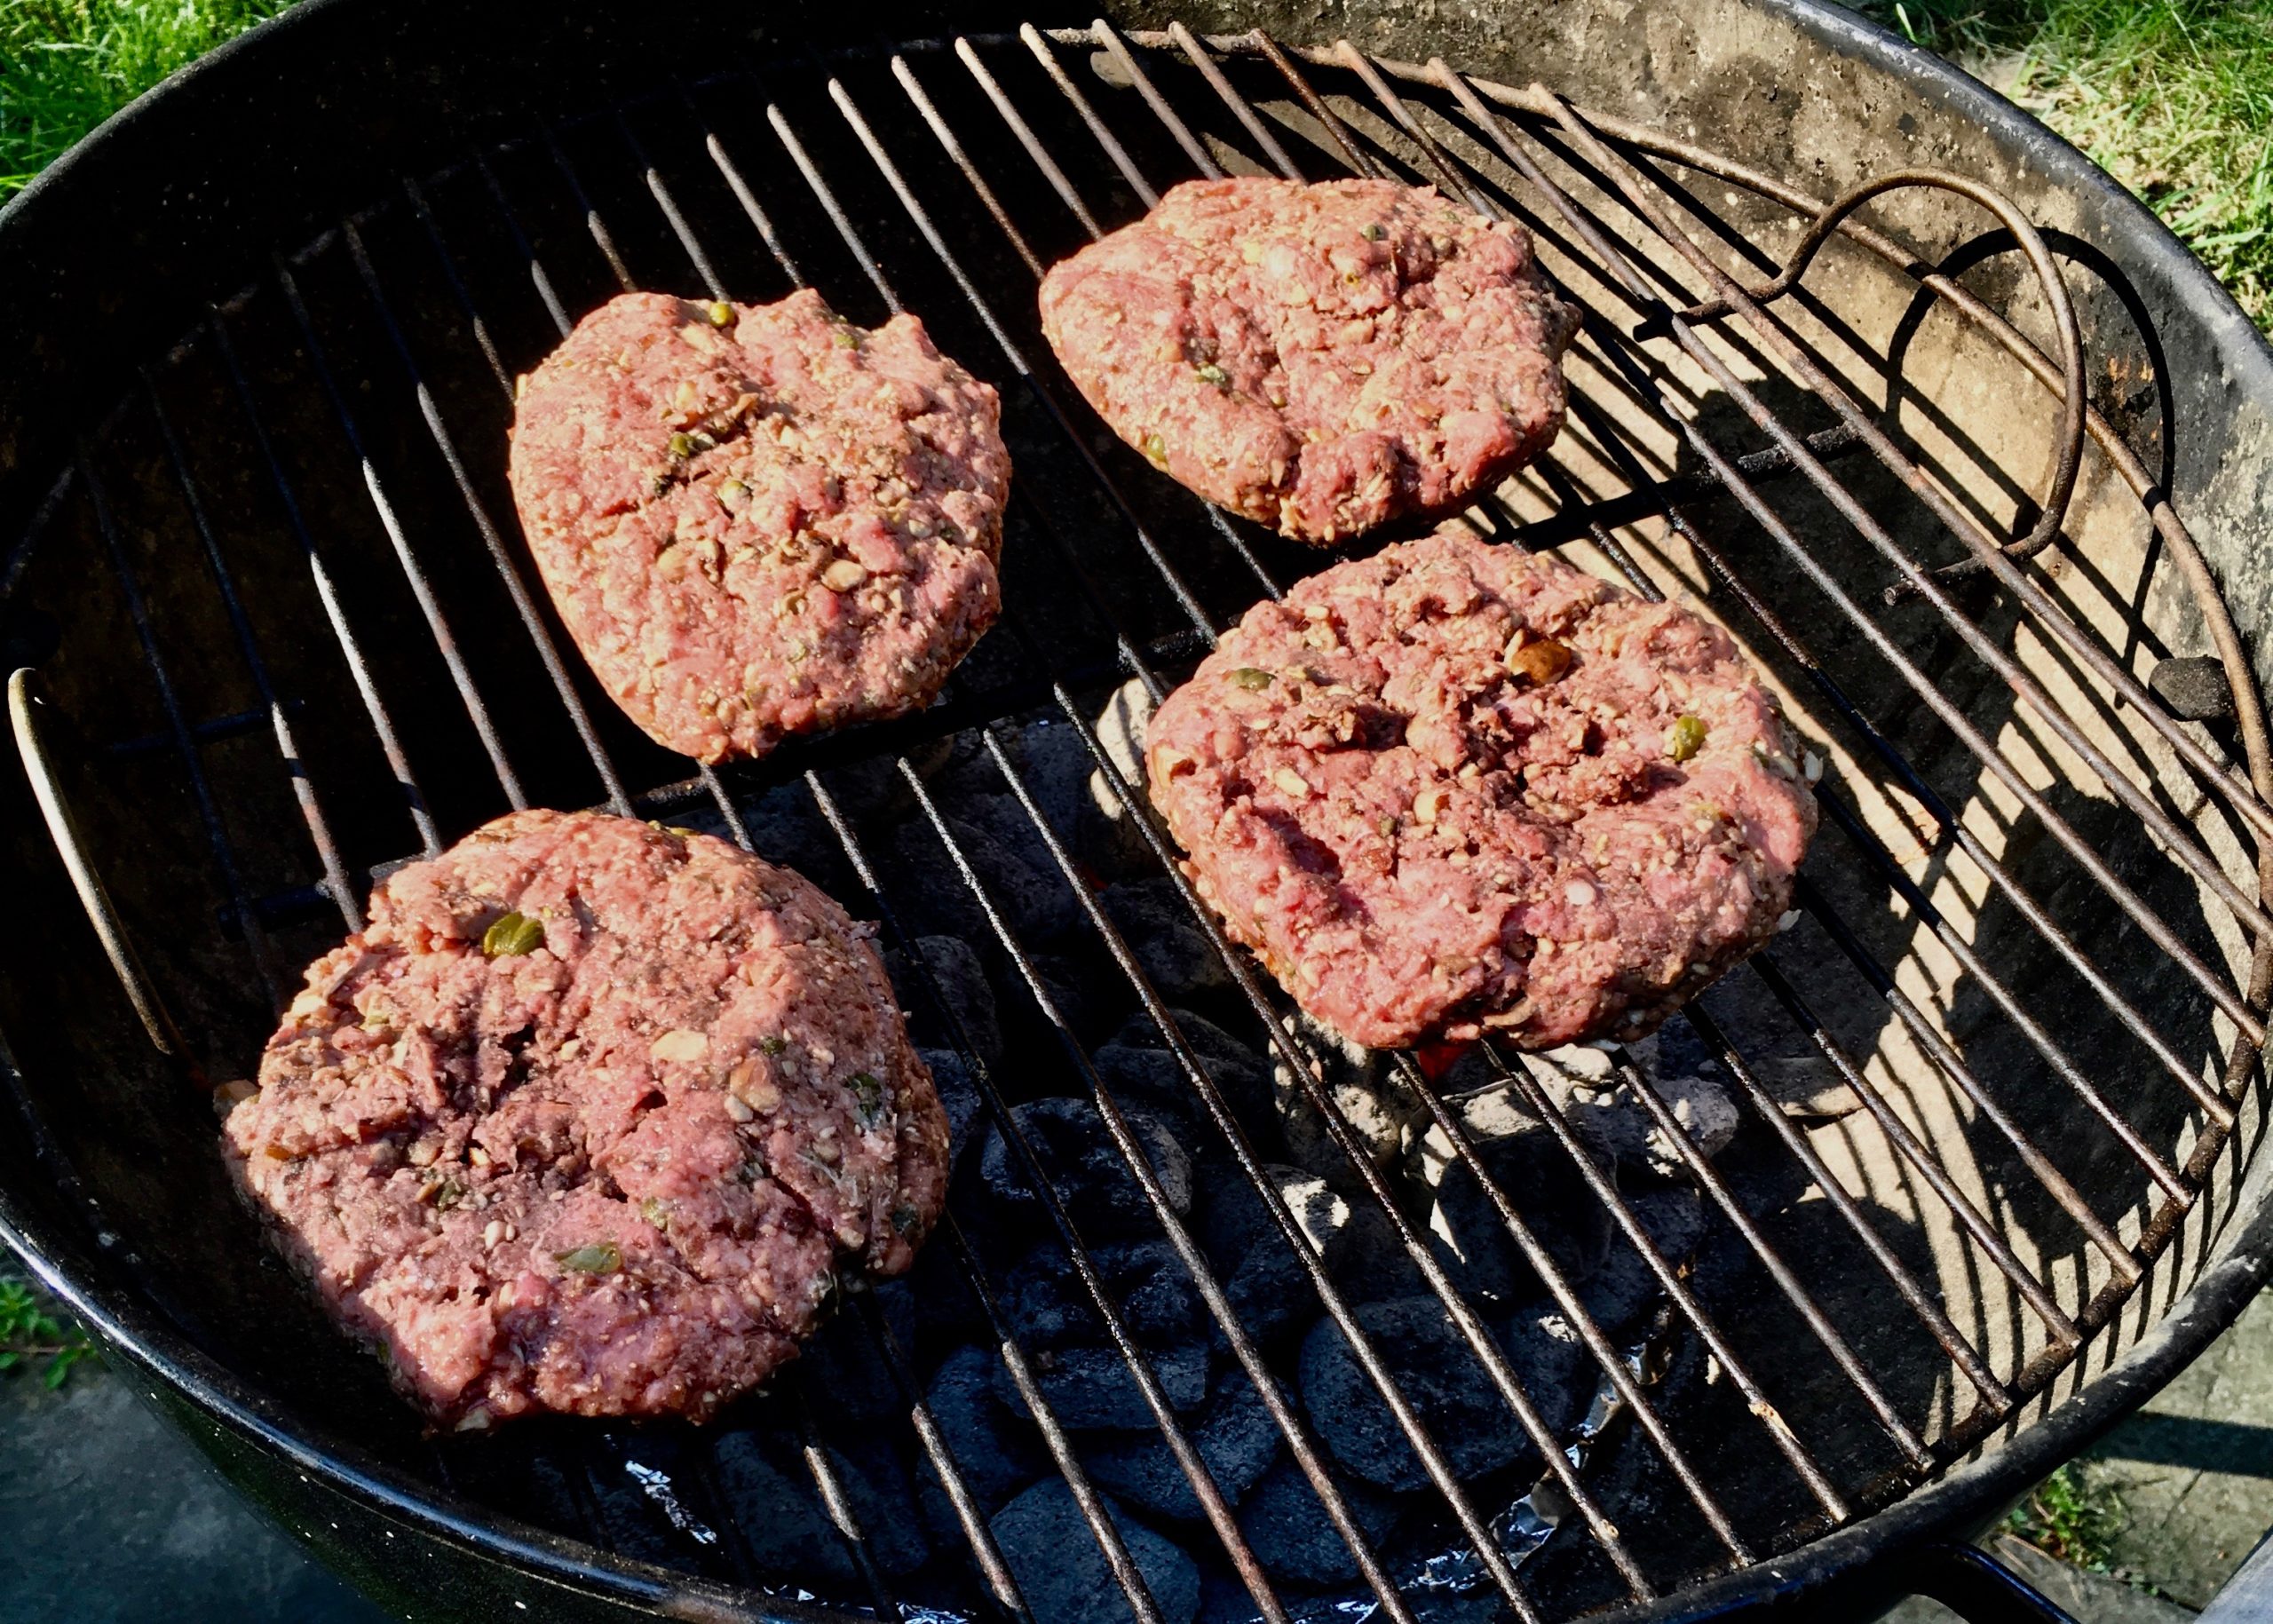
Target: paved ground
[106, 1517]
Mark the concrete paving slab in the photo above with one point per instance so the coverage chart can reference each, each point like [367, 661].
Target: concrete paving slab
[107, 1516]
[2194, 1468]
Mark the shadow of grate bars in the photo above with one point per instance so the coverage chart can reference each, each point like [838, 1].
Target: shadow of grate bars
[1134, 120]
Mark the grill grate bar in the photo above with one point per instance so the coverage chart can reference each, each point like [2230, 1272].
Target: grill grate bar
[446, 642]
[1787, 1443]
[1945, 1058]
[1014, 1357]
[1994, 1395]
[839, 1506]
[2183, 844]
[1850, 821]
[1581, 224]
[1952, 1065]
[516, 588]
[1961, 1206]
[1605, 1191]
[1337, 1124]
[1790, 455]
[382, 724]
[1216, 1509]
[1203, 1484]
[1106, 139]
[1000, 1580]
[1708, 1178]
[209, 811]
[989, 1556]
[304, 790]
[2247, 913]
[1329, 1495]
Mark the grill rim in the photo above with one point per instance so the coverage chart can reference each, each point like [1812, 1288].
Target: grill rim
[130, 1325]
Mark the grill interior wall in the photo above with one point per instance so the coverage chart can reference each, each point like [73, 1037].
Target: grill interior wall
[1969, 415]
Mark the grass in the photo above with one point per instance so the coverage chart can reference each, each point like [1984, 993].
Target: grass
[32, 1338]
[2175, 101]
[66, 65]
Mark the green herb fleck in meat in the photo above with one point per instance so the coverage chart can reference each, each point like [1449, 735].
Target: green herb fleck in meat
[512, 936]
[722, 314]
[1157, 450]
[682, 447]
[1253, 679]
[1685, 738]
[869, 1095]
[1371, 231]
[772, 1045]
[600, 1257]
[656, 1213]
[1213, 374]
[846, 338]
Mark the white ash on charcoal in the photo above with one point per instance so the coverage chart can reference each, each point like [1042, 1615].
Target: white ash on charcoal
[785, 1525]
[1110, 838]
[1084, 1166]
[1234, 1437]
[1690, 1083]
[1092, 1389]
[1139, 1065]
[1054, 1555]
[1436, 1371]
[1269, 1286]
[1378, 1110]
[1285, 1523]
[994, 1447]
[1167, 941]
[1048, 1306]
[1531, 1167]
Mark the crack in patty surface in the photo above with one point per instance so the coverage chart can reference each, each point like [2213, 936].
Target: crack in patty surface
[1456, 789]
[1322, 357]
[587, 1118]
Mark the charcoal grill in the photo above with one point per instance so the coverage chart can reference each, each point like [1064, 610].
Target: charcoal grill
[1944, 426]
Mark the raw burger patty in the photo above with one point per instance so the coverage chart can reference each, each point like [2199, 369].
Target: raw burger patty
[1457, 787]
[759, 520]
[1320, 358]
[613, 1173]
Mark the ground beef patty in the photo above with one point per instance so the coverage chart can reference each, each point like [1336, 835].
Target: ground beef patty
[760, 519]
[1457, 787]
[1320, 358]
[587, 1118]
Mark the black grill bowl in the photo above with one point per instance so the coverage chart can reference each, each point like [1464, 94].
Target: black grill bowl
[295, 283]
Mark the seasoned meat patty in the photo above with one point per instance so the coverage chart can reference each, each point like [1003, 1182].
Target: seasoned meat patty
[1457, 787]
[760, 519]
[1320, 358]
[587, 1118]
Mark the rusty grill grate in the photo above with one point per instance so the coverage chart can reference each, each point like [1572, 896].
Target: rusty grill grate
[943, 177]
